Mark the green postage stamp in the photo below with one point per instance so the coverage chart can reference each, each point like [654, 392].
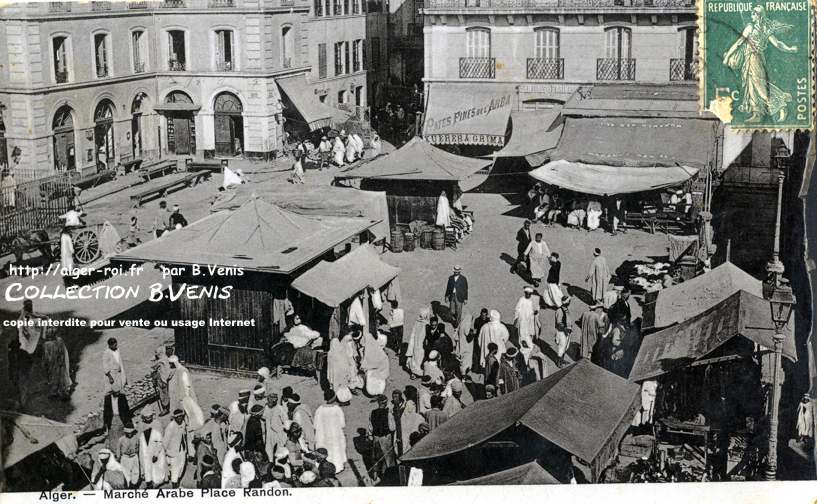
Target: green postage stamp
[757, 56]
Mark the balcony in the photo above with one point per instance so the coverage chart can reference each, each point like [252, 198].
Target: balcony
[683, 70]
[172, 4]
[224, 66]
[139, 67]
[138, 4]
[563, 5]
[176, 66]
[59, 6]
[100, 6]
[217, 4]
[477, 68]
[615, 69]
[61, 77]
[546, 68]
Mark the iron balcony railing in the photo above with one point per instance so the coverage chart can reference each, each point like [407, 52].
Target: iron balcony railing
[287, 3]
[225, 66]
[139, 67]
[176, 66]
[100, 6]
[683, 70]
[546, 68]
[138, 4]
[172, 4]
[221, 3]
[477, 68]
[560, 4]
[59, 6]
[61, 77]
[615, 69]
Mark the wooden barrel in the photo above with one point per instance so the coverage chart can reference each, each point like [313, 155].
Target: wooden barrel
[408, 242]
[396, 241]
[438, 239]
[425, 238]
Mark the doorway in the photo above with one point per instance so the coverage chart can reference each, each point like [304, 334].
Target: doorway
[136, 125]
[181, 127]
[63, 131]
[229, 125]
[104, 135]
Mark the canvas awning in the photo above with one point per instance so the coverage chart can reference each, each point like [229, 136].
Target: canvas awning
[526, 474]
[582, 409]
[532, 131]
[605, 179]
[470, 114]
[257, 236]
[635, 100]
[30, 434]
[332, 283]
[316, 115]
[741, 314]
[417, 160]
[680, 302]
[637, 142]
[176, 107]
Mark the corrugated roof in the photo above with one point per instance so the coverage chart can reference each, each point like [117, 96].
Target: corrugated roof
[577, 408]
[256, 236]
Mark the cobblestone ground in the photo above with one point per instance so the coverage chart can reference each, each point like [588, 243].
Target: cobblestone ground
[485, 257]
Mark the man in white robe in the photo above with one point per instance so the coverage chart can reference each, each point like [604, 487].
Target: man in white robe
[443, 211]
[598, 276]
[492, 332]
[356, 313]
[338, 150]
[526, 319]
[275, 415]
[303, 417]
[113, 367]
[300, 335]
[180, 384]
[151, 452]
[176, 444]
[66, 252]
[329, 434]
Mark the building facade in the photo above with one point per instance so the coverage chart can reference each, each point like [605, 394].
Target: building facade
[85, 85]
[536, 53]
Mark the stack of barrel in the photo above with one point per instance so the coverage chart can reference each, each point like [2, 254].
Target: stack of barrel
[429, 237]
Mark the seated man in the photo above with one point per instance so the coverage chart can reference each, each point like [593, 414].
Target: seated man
[304, 340]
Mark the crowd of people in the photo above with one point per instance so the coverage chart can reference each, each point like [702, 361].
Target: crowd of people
[341, 149]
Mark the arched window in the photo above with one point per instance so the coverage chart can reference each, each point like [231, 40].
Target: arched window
[63, 119]
[547, 43]
[178, 97]
[228, 103]
[478, 42]
[63, 132]
[104, 111]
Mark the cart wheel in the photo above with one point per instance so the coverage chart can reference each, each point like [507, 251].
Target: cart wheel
[86, 246]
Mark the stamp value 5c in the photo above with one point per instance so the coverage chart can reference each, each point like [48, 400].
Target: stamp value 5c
[757, 56]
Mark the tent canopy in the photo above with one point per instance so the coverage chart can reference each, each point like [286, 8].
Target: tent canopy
[526, 474]
[332, 283]
[637, 142]
[257, 236]
[741, 314]
[468, 114]
[417, 160]
[680, 302]
[31, 434]
[317, 115]
[578, 408]
[533, 131]
[604, 179]
[324, 201]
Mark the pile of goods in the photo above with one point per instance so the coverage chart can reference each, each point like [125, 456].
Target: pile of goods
[649, 277]
[140, 392]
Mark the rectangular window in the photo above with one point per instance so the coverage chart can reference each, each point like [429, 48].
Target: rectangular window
[137, 39]
[177, 56]
[346, 9]
[101, 54]
[356, 6]
[338, 58]
[327, 7]
[341, 97]
[321, 61]
[346, 57]
[375, 53]
[338, 7]
[60, 52]
[356, 55]
[224, 50]
[318, 8]
[617, 43]
[547, 43]
[478, 42]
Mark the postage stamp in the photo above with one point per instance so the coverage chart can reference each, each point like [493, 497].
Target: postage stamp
[757, 56]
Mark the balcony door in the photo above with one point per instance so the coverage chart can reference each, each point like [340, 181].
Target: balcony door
[617, 44]
[478, 43]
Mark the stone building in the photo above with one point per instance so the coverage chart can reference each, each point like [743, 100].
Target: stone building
[84, 85]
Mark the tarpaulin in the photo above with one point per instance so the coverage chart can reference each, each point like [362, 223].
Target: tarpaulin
[741, 314]
[578, 408]
[468, 114]
[635, 100]
[29, 434]
[317, 115]
[417, 160]
[605, 179]
[637, 142]
[256, 236]
[332, 283]
[532, 131]
[526, 474]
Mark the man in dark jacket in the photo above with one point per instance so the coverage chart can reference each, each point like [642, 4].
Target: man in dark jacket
[523, 239]
[456, 294]
[210, 475]
[115, 414]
